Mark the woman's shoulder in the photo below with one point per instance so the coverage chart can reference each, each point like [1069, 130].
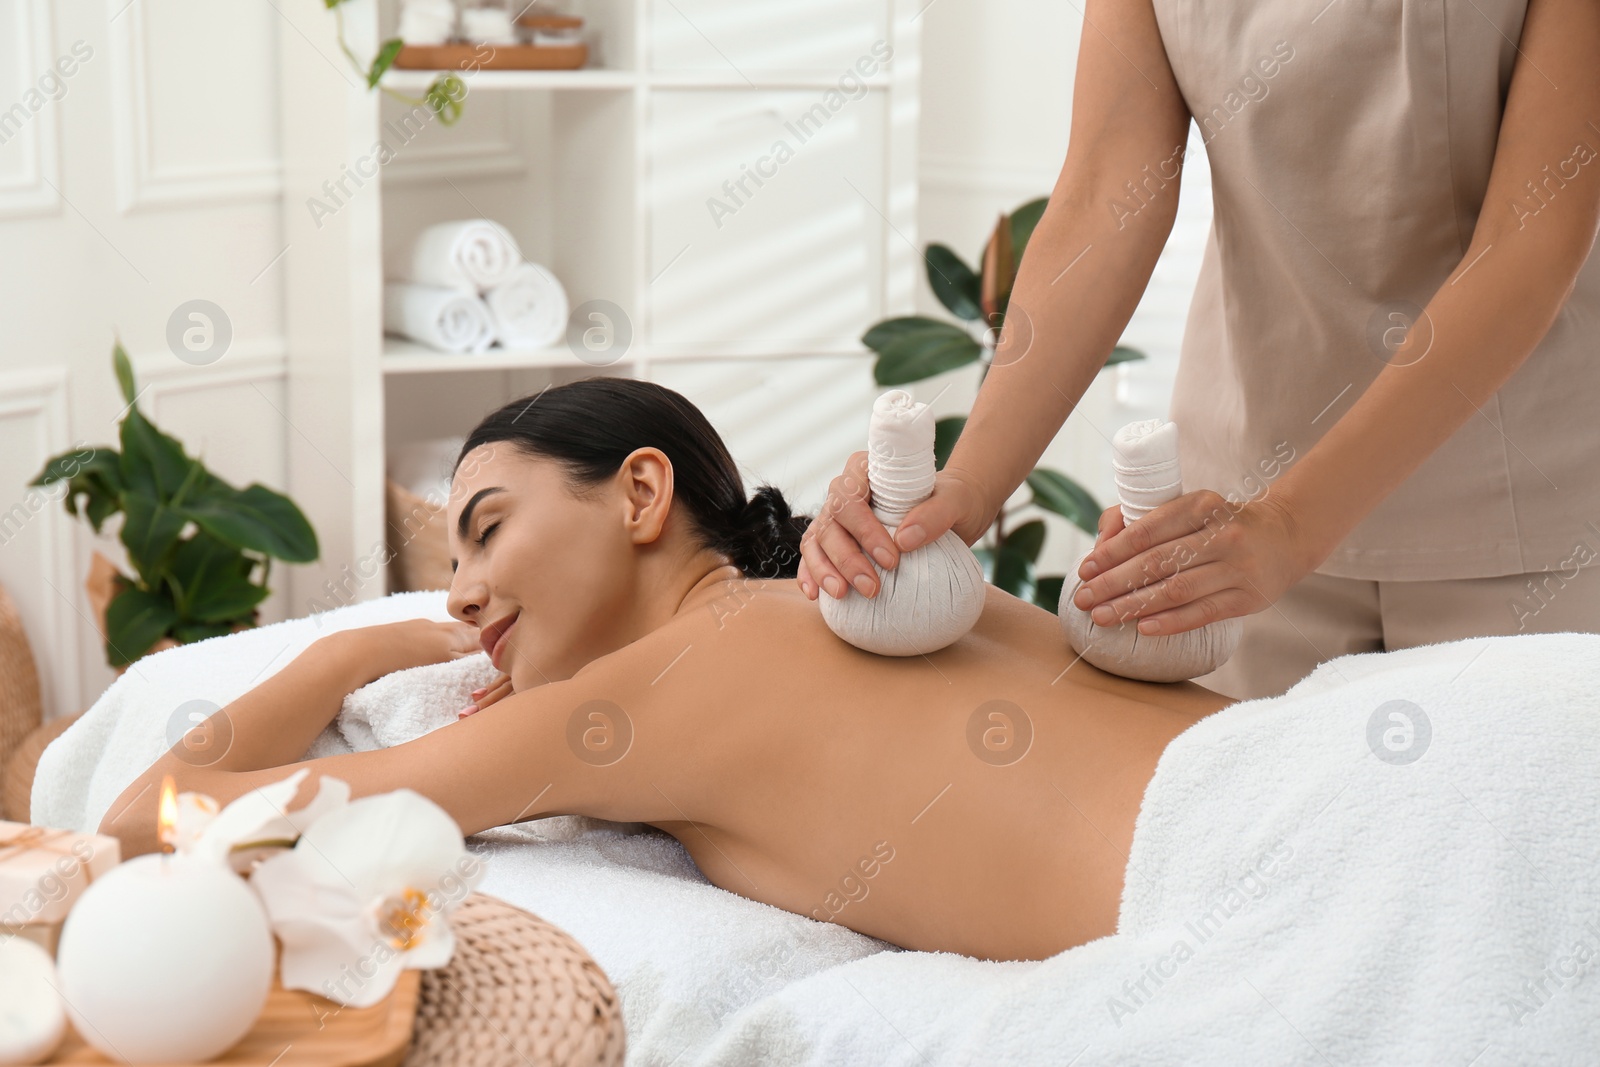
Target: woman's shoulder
[746, 620]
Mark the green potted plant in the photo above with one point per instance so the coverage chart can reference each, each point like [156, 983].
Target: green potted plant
[193, 539]
[914, 347]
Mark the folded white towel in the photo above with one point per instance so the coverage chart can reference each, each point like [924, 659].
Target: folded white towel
[446, 319]
[529, 308]
[469, 254]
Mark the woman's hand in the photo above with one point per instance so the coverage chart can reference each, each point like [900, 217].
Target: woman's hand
[831, 549]
[1192, 561]
[397, 646]
[483, 696]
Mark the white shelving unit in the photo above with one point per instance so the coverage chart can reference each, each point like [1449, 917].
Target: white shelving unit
[737, 182]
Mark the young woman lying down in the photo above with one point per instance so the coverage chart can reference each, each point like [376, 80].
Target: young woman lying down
[666, 669]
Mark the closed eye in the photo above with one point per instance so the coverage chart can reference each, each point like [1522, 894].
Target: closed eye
[487, 530]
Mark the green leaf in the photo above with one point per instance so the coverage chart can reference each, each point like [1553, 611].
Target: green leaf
[945, 432]
[1027, 540]
[149, 530]
[445, 96]
[331, 4]
[124, 370]
[152, 464]
[212, 587]
[383, 60]
[1123, 354]
[889, 331]
[256, 518]
[69, 465]
[1055, 492]
[953, 282]
[1023, 222]
[1013, 572]
[924, 353]
[100, 507]
[190, 632]
[1047, 593]
[135, 620]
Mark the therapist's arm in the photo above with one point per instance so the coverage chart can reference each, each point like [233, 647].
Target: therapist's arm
[1081, 276]
[1089, 260]
[1485, 320]
[1496, 305]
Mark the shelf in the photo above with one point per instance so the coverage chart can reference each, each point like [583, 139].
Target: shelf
[408, 357]
[589, 78]
[598, 78]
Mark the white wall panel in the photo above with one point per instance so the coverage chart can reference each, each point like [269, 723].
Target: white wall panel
[196, 107]
[29, 89]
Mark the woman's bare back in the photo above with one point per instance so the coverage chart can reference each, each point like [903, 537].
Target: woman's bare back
[980, 799]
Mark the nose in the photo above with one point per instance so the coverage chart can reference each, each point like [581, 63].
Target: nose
[466, 595]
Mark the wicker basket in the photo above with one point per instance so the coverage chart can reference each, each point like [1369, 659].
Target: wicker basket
[419, 549]
[518, 992]
[20, 710]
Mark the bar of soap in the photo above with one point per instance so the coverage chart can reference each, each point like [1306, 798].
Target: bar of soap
[32, 1019]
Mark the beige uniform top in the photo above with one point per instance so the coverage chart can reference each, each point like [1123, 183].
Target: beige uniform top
[1350, 145]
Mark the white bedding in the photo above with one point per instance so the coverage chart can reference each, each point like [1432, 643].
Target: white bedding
[1381, 912]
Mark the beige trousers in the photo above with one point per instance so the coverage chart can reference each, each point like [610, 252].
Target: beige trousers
[1321, 617]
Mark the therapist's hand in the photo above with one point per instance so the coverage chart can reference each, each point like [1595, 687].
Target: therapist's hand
[1192, 561]
[833, 548]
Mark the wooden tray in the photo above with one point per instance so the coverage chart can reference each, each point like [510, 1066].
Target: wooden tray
[503, 57]
[301, 1029]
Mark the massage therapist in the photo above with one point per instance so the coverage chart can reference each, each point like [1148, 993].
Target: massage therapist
[1398, 294]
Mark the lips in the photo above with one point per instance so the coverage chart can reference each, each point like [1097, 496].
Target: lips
[493, 637]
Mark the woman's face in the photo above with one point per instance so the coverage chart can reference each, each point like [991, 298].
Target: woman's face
[561, 565]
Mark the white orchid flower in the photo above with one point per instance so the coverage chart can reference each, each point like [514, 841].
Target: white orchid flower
[258, 819]
[366, 894]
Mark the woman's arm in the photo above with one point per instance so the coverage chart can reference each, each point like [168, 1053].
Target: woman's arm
[522, 758]
[1084, 269]
[1496, 305]
[1485, 320]
[1092, 253]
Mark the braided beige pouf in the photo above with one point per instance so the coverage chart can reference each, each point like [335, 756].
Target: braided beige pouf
[518, 992]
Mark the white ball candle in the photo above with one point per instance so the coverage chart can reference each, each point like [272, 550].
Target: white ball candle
[165, 959]
[32, 1021]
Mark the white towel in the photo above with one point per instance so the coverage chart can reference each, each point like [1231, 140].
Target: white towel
[426, 22]
[469, 254]
[446, 319]
[529, 308]
[1422, 912]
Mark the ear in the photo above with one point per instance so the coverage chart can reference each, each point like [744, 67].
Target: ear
[646, 477]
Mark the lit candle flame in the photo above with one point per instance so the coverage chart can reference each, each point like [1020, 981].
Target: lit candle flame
[167, 814]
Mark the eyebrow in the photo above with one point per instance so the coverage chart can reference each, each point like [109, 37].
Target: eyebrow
[465, 521]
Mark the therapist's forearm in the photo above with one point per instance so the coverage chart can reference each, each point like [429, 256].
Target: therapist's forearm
[1486, 320]
[1079, 282]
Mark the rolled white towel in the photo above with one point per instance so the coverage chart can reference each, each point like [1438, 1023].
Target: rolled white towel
[1145, 468]
[426, 22]
[470, 254]
[935, 593]
[446, 319]
[529, 308]
[488, 25]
